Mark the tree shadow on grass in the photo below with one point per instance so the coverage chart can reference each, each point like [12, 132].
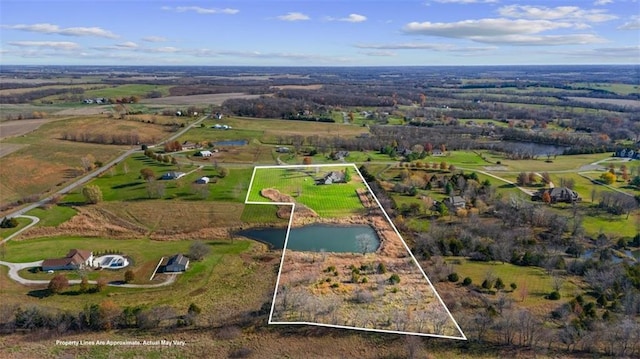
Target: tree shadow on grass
[126, 185]
[39, 293]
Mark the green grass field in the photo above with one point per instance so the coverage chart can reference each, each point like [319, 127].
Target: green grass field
[217, 278]
[334, 200]
[536, 281]
[53, 216]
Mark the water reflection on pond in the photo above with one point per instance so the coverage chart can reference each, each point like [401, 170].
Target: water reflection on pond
[317, 237]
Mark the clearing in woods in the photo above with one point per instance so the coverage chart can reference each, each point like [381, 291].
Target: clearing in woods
[384, 291]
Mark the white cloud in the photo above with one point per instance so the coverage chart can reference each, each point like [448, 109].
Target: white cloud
[425, 46]
[504, 31]
[166, 49]
[294, 16]
[602, 2]
[633, 24]
[406, 46]
[483, 27]
[58, 45]
[127, 45]
[154, 39]
[619, 54]
[69, 31]
[201, 10]
[556, 13]
[380, 53]
[350, 18]
[540, 40]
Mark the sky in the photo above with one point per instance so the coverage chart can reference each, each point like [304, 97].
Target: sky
[319, 33]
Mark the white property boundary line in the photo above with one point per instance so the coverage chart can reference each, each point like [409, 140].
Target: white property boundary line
[286, 239]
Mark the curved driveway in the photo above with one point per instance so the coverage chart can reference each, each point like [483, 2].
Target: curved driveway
[33, 219]
[14, 268]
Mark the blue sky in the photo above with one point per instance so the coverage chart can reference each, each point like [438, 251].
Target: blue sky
[322, 33]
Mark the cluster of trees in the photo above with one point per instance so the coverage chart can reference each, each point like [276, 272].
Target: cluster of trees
[8, 222]
[103, 316]
[29, 96]
[162, 157]
[105, 138]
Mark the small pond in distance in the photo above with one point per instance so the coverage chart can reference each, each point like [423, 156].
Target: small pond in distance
[317, 237]
[232, 143]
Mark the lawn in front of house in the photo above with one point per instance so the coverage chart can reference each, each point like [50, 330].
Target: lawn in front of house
[332, 200]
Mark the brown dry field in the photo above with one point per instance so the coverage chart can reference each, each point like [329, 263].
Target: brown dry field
[311, 294]
[298, 87]
[7, 148]
[611, 101]
[20, 127]
[209, 99]
[88, 110]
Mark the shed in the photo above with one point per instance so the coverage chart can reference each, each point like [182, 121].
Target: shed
[177, 263]
[202, 180]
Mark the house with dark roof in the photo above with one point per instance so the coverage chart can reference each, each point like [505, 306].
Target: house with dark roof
[455, 202]
[332, 177]
[75, 259]
[557, 194]
[177, 263]
[339, 155]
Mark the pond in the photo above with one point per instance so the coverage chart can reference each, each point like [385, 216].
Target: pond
[318, 237]
[592, 254]
[232, 143]
[536, 149]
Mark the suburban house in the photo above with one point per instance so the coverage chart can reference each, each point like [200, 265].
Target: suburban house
[75, 259]
[186, 145]
[177, 263]
[172, 175]
[203, 153]
[340, 155]
[202, 180]
[627, 153]
[332, 177]
[455, 202]
[557, 194]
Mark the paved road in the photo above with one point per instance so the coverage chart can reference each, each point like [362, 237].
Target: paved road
[14, 268]
[97, 172]
[33, 219]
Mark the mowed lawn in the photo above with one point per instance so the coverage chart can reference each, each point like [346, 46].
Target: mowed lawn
[218, 277]
[333, 200]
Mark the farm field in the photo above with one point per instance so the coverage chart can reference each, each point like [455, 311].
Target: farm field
[336, 200]
[208, 99]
